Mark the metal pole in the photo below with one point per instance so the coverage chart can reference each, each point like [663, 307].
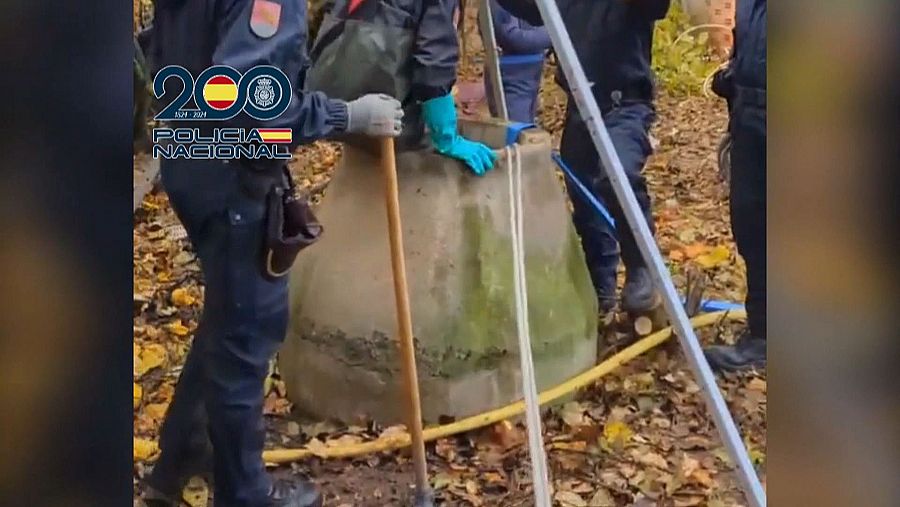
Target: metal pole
[486, 23]
[590, 113]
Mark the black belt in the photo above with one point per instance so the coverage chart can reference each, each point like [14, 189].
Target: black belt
[750, 96]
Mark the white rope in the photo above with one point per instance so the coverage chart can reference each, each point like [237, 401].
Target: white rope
[539, 474]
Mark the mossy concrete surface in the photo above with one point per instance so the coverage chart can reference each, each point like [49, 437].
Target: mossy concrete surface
[340, 359]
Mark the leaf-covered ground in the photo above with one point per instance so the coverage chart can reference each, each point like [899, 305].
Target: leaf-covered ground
[640, 436]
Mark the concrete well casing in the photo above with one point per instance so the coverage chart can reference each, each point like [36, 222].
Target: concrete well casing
[341, 360]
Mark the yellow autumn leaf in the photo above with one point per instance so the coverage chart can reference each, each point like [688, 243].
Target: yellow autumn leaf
[695, 250]
[716, 256]
[156, 410]
[151, 356]
[181, 297]
[138, 392]
[144, 449]
[616, 434]
[178, 329]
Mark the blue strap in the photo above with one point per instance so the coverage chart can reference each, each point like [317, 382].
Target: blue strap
[514, 129]
[712, 305]
[584, 190]
[521, 59]
[709, 305]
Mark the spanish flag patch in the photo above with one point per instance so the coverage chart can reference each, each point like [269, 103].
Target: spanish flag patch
[265, 18]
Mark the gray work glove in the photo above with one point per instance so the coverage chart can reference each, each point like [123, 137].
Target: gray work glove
[376, 115]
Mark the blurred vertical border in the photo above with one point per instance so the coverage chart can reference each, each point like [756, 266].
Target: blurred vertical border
[834, 408]
[65, 263]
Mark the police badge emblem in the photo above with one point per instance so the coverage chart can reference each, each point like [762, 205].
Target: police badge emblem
[265, 17]
[264, 94]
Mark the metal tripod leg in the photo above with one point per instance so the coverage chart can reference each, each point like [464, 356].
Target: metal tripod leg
[486, 23]
[590, 113]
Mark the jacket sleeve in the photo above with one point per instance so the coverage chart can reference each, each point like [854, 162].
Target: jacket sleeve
[513, 37]
[435, 51]
[311, 115]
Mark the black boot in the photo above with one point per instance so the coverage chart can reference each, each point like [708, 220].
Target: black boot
[638, 295]
[747, 353]
[605, 285]
[162, 492]
[294, 493]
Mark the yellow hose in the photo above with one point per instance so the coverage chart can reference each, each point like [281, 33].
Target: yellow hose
[275, 456]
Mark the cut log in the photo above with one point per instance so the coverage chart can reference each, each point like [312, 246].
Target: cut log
[652, 320]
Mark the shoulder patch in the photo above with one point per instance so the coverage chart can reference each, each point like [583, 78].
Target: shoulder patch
[265, 18]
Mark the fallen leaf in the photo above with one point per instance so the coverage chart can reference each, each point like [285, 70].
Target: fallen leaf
[182, 258]
[569, 499]
[652, 459]
[317, 447]
[442, 479]
[694, 250]
[722, 454]
[493, 477]
[689, 501]
[178, 329]
[702, 477]
[616, 434]
[138, 392]
[572, 413]
[506, 434]
[718, 255]
[152, 356]
[273, 405]
[576, 446]
[471, 487]
[181, 297]
[156, 411]
[602, 498]
[394, 431]
[688, 466]
[144, 449]
[757, 384]
[687, 235]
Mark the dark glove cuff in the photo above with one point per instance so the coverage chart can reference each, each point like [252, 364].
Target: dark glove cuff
[338, 117]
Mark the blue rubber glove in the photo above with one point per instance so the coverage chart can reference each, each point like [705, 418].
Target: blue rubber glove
[440, 116]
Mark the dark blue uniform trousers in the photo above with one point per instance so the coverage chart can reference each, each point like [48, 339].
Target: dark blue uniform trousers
[628, 126]
[521, 76]
[244, 321]
[748, 205]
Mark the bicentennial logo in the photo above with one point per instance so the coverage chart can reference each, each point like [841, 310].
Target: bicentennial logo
[221, 93]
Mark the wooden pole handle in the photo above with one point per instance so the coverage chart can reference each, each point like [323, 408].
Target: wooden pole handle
[404, 319]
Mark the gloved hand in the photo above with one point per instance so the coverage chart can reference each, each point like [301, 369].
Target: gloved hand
[440, 116]
[376, 115]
